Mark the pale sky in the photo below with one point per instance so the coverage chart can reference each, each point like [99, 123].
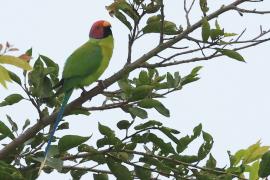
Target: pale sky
[231, 100]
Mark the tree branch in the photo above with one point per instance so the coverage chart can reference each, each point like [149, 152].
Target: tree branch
[29, 133]
[205, 58]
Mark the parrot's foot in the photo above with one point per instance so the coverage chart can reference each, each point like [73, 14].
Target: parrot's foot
[101, 84]
[83, 91]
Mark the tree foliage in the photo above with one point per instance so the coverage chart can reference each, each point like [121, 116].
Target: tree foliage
[148, 150]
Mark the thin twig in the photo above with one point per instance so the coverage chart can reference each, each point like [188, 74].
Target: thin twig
[43, 122]
[161, 39]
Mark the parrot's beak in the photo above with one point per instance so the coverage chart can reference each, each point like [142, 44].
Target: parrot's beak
[106, 24]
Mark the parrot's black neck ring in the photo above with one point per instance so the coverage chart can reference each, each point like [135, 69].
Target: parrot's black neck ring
[107, 32]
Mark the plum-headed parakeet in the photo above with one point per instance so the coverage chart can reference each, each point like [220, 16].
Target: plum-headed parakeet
[84, 66]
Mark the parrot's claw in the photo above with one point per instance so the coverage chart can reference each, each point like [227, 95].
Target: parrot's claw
[101, 84]
[83, 91]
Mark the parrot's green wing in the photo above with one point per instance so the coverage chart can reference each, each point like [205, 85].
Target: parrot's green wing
[83, 62]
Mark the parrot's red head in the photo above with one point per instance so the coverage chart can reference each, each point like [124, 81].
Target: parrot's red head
[100, 29]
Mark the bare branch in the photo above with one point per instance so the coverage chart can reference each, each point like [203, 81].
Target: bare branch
[196, 59]
[30, 132]
[187, 11]
[87, 169]
[254, 11]
[162, 22]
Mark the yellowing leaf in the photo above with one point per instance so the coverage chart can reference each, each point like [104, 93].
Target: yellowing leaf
[254, 152]
[25, 57]
[4, 76]
[7, 59]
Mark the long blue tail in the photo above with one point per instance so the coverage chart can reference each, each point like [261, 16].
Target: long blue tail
[56, 123]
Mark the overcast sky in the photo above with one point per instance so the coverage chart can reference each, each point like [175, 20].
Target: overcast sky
[231, 100]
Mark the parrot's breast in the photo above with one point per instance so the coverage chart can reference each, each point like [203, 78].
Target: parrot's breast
[106, 45]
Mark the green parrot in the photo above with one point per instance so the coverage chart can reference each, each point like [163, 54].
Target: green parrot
[83, 67]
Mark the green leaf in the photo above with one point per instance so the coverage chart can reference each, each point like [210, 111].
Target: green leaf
[51, 162]
[197, 131]
[177, 79]
[217, 25]
[205, 29]
[203, 5]
[70, 141]
[8, 172]
[170, 80]
[153, 19]
[50, 63]
[11, 99]
[127, 9]
[166, 148]
[152, 7]
[4, 130]
[37, 140]
[185, 141]
[54, 68]
[112, 140]
[230, 34]
[211, 162]
[123, 19]
[216, 34]
[100, 176]
[124, 124]
[192, 76]
[77, 174]
[253, 170]
[143, 78]
[86, 148]
[206, 147]
[120, 6]
[154, 26]
[135, 111]
[124, 85]
[162, 110]
[14, 77]
[237, 157]
[29, 52]
[119, 171]
[169, 133]
[64, 125]
[232, 54]
[142, 173]
[53, 151]
[130, 146]
[195, 70]
[152, 103]
[105, 130]
[26, 123]
[169, 28]
[141, 92]
[264, 169]
[4, 76]
[148, 124]
[6, 59]
[14, 126]
[148, 103]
